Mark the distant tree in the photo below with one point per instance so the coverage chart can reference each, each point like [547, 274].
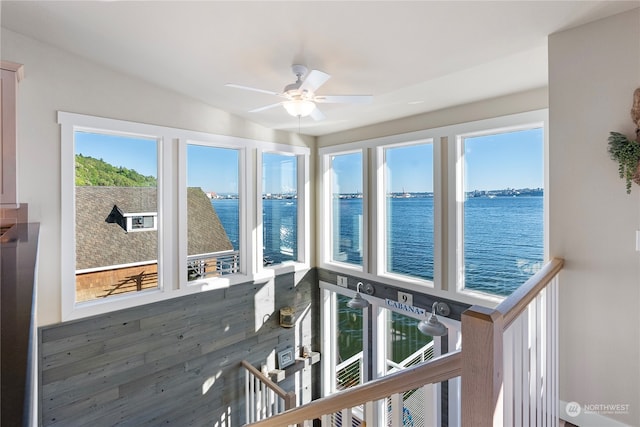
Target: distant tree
[97, 172]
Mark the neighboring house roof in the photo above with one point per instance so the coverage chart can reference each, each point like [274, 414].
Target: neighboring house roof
[206, 233]
[101, 241]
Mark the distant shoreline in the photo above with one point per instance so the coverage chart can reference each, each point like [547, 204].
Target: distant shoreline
[507, 192]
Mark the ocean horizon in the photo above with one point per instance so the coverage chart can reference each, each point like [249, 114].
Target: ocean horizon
[503, 236]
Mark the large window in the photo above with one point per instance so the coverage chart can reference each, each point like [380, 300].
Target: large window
[347, 215]
[151, 213]
[213, 212]
[503, 209]
[361, 345]
[459, 209]
[408, 215]
[116, 204]
[279, 208]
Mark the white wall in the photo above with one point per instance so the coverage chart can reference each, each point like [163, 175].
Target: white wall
[530, 100]
[56, 80]
[593, 71]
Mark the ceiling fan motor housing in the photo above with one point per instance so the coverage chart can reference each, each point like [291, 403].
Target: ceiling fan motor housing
[292, 91]
[299, 70]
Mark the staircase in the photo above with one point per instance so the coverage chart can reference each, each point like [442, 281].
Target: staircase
[508, 367]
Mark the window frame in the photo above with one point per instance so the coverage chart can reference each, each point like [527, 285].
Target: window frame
[448, 194]
[375, 325]
[130, 225]
[326, 217]
[302, 204]
[246, 259]
[171, 220]
[381, 211]
[500, 125]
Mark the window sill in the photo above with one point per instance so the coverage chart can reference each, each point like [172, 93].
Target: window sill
[136, 299]
[287, 267]
[340, 267]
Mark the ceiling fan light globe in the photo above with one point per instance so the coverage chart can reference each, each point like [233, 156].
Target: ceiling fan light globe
[299, 107]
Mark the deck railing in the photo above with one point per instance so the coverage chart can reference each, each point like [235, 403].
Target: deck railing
[508, 367]
[349, 372]
[263, 397]
[213, 264]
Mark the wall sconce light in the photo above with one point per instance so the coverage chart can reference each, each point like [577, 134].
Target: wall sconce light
[357, 301]
[432, 326]
[287, 317]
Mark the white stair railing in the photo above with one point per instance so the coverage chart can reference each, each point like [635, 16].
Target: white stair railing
[508, 367]
[510, 363]
[345, 405]
[263, 397]
[531, 362]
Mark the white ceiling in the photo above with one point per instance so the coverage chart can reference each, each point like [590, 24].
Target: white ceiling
[413, 57]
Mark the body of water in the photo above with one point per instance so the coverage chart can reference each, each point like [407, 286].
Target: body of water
[503, 236]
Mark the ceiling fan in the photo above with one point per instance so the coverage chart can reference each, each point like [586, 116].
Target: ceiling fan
[300, 97]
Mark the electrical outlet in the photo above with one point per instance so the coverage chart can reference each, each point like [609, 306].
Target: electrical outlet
[342, 281]
[405, 298]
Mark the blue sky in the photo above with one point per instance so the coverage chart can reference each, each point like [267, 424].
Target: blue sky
[132, 153]
[507, 160]
[212, 169]
[493, 162]
[347, 173]
[409, 169]
[279, 173]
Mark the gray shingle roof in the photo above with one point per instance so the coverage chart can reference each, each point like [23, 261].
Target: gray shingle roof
[100, 243]
[206, 233]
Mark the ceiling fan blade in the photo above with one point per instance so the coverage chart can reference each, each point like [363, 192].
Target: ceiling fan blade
[270, 92]
[266, 107]
[344, 99]
[317, 115]
[314, 80]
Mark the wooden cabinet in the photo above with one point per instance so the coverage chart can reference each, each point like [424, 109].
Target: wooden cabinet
[11, 74]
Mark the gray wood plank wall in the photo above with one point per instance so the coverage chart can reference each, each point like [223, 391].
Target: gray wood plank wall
[175, 362]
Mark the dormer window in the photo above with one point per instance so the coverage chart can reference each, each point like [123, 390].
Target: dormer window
[141, 221]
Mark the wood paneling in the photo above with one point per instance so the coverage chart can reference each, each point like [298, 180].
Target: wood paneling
[175, 362]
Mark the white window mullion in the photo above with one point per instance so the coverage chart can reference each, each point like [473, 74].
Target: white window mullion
[366, 208]
[181, 213]
[258, 224]
[439, 233]
[456, 206]
[377, 222]
[68, 212]
[304, 210]
[247, 238]
[166, 172]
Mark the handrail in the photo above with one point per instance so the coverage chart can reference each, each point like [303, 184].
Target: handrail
[515, 304]
[434, 371]
[486, 367]
[287, 396]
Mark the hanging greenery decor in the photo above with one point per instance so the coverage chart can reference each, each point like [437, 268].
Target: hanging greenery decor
[626, 151]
